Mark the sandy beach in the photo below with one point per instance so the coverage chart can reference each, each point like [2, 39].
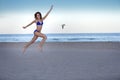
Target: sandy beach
[60, 61]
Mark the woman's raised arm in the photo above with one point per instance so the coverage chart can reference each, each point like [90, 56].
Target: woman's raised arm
[48, 12]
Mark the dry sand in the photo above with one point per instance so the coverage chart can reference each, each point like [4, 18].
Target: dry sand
[61, 61]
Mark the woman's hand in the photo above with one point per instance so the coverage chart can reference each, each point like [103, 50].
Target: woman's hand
[51, 7]
[24, 27]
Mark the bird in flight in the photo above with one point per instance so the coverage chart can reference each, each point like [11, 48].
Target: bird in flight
[63, 25]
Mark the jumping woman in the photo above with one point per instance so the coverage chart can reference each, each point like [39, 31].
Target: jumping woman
[37, 33]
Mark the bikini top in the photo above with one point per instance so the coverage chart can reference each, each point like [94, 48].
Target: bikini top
[38, 23]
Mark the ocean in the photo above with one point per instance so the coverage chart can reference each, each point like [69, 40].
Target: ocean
[79, 37]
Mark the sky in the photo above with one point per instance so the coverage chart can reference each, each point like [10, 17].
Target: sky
[80, 16]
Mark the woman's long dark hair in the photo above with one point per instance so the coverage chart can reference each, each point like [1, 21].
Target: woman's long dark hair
[39, 14]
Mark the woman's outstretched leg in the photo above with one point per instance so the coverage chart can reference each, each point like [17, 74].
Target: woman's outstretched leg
[29, 43]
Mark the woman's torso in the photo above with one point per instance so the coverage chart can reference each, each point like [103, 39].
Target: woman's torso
[39, 24]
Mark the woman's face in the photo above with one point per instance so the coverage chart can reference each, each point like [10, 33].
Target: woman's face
[38, 16]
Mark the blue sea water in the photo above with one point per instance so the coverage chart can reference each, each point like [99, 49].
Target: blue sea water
[80, 37]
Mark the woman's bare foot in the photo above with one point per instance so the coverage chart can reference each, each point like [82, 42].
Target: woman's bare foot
[40, 48]
[24, 49]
